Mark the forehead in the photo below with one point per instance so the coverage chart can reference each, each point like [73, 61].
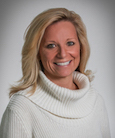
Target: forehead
[60, 28]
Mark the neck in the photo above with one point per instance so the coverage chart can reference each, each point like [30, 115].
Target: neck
[66, 82]
[64, 102]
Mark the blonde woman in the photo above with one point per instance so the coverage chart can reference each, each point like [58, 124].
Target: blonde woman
[54, 98]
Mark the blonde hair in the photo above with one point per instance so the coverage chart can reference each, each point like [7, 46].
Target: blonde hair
[33, 37]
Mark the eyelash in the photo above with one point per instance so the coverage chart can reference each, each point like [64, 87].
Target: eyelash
[51, 46]
[70, 43]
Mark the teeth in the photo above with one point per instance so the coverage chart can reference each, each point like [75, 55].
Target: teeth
[63, 64]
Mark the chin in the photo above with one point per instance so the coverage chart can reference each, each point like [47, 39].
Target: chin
[64, 74]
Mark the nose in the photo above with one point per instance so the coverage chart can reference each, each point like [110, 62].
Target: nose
[62, 52]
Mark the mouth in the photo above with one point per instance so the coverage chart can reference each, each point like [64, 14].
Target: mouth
[63, 64]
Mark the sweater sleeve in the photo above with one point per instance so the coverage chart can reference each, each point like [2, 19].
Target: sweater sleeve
[12, 126]
[104, 120]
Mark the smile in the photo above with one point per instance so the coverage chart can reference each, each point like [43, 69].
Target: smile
[63, 64]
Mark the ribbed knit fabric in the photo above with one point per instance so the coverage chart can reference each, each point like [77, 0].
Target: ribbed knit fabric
[56, 112]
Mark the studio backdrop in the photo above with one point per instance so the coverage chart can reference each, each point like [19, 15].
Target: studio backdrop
[99, 18]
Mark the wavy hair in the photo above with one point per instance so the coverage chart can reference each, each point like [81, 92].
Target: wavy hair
[33, 37]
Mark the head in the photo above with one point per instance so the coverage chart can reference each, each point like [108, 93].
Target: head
[34, 34]
[59, 52]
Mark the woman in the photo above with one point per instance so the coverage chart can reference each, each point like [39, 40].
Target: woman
[54, 98]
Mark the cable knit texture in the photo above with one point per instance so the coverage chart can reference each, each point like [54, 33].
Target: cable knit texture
[56, 112]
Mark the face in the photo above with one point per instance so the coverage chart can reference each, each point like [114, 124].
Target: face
[60, 50]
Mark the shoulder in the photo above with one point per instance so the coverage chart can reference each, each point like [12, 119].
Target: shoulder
[100, 99]
[99, 105]
[100, 102]
[20, 104]
[17, 117]
[20, 108]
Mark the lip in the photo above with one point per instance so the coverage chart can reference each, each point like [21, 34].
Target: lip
[63, 63]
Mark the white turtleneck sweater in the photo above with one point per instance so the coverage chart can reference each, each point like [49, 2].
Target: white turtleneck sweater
[56, 112]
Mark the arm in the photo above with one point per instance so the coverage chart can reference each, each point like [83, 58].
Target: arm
[104, 121]
[12, 126]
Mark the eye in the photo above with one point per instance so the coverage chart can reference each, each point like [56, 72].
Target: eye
[70, 43]
[51, 46]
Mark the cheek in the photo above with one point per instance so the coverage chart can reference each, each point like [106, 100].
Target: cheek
[45, 56]
[76, 52]
[44, 59]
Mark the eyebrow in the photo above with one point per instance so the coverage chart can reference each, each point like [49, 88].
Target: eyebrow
[55, 42]
[71, 38]
[50, 41]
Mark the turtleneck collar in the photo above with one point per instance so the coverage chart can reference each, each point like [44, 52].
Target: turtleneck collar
[64, 94]
[61, 101]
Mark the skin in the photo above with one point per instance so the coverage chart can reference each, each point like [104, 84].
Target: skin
[60, 53]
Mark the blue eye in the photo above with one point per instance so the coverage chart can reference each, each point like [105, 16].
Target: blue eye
[51, 46]
[70, 43]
